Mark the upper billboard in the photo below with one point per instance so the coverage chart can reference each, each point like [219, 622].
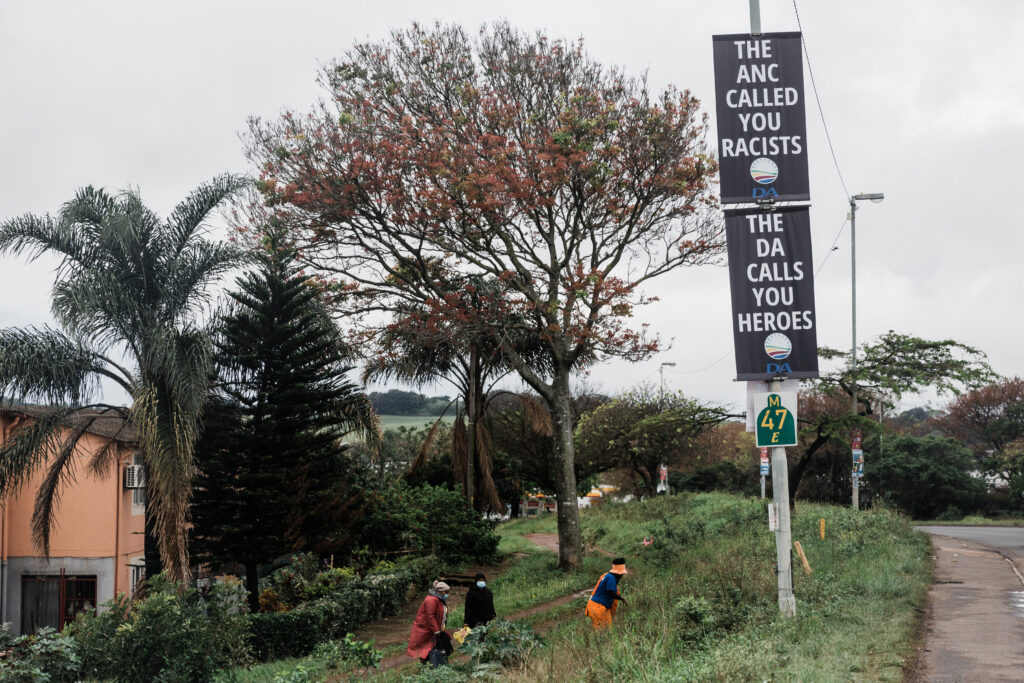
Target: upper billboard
[762, 128]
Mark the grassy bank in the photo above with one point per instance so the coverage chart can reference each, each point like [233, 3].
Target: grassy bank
[702, 597]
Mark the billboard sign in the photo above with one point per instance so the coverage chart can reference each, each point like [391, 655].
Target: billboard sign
[762, 126]
[772, 281]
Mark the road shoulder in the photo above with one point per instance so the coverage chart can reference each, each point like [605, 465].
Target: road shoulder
[973, 632]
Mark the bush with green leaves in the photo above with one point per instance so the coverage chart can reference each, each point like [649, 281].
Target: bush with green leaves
[924, 476]
[296, 632]
[303, 580]
[173, 634]
[46, 657]
[348, 653]
[502, 641]
[427, 519]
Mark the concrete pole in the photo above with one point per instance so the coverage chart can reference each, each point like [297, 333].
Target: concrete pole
[755, 17]
[784, 536]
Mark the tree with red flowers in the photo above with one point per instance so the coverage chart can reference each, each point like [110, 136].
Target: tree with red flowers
[507, 156]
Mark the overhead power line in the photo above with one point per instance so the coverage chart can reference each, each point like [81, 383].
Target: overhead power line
[821, 112]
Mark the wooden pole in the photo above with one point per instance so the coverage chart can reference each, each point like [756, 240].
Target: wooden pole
[803, 558]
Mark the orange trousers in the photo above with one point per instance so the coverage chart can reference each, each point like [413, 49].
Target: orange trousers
[600, 616]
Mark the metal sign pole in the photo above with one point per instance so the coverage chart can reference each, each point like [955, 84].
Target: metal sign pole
[783, 536]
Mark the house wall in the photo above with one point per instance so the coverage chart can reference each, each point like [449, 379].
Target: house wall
[96, 528]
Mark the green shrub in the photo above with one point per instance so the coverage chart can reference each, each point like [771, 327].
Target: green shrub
[174, 634]
[923, 476]
[295, 633]
[46, 657]
[428, 519]
[347, 653]
[503, 641]
[726, 476]
[302, 673]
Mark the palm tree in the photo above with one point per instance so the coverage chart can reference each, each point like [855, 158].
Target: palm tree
[452, 341]
[129, 286]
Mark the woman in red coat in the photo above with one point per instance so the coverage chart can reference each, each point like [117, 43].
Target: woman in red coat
[430, 621]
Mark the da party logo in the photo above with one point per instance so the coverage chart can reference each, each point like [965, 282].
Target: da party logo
[778, 346]
[764, 171]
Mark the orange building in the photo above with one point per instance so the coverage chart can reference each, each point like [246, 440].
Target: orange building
[96, 546]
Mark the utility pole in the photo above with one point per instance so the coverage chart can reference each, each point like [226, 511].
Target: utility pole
[784, 534]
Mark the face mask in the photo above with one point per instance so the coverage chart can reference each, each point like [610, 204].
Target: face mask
[444, 597]
[481, 584]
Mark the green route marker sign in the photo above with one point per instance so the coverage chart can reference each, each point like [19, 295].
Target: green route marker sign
[776, 419]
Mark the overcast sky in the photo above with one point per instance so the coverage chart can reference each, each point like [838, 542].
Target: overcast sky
[924, 102]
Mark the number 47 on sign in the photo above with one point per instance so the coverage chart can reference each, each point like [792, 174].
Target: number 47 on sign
[776, 419]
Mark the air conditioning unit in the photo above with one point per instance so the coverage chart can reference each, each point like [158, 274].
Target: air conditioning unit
[134, 477]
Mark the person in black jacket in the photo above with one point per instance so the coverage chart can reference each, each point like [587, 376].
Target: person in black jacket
[479, 603]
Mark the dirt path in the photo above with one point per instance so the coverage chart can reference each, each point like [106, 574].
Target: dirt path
[550, 542]
[395, 630]
[975, 625]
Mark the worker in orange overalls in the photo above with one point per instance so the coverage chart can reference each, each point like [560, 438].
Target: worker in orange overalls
[605, 598]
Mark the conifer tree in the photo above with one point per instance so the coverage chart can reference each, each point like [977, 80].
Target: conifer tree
[274, 475]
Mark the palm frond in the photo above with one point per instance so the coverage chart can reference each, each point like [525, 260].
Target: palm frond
[460, 452]
[29, 447]
[60, 472]
[485, 467]
[189, 214]
[45, 365]
[537, 415]
[423, 454]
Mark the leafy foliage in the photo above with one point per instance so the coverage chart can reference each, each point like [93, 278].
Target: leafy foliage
[46, 657]
[924, 476]
[173, 634]
[297, 632]
[427, 519]
[642, 430]
[348, 653]
[501, 640]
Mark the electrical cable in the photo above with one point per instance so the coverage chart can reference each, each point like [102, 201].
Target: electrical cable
[817, 99]
[833, 247]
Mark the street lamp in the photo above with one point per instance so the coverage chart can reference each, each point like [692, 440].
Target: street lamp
[661, 370]
[874, 197]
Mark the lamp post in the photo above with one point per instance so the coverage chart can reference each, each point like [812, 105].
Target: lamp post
[875, 197]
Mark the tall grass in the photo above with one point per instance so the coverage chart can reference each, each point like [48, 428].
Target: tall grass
[703, 605]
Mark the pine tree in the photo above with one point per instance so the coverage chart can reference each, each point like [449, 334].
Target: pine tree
[274, 476]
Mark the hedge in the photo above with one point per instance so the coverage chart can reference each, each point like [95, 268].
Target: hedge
[275, 635]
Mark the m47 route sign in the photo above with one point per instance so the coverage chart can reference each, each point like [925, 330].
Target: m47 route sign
[776, 419]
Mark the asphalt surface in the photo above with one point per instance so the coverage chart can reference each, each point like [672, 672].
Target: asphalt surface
[1008, 539]
[975, 625]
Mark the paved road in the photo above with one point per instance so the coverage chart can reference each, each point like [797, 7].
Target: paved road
[1008, 539]
[975, 627]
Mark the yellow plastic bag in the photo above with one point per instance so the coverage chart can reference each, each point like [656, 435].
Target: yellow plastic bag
[460, 635]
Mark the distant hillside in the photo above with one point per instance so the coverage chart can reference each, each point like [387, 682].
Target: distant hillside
[397, 402]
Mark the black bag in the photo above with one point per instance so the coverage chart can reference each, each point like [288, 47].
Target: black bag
[437, 657]
[443, 642]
